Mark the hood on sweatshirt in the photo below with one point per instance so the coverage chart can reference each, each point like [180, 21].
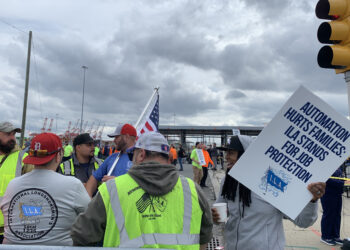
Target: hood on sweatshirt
[155, 178]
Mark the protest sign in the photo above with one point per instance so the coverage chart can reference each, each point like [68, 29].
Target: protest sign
[235, 131]
[200, 156]
[304, 143]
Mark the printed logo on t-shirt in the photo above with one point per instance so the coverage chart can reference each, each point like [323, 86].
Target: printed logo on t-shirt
[32, 214]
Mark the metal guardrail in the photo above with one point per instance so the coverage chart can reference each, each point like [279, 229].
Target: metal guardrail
[41, 247]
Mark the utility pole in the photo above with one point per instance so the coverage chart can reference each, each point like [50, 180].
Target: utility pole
[82, 103]
[24, 114]
[347, 80]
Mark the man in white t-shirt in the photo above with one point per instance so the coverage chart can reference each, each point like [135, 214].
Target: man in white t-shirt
[40, 207]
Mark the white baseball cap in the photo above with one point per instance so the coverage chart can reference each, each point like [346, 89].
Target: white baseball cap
[153, 141]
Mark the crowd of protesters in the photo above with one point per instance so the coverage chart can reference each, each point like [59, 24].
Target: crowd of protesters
[129, 194]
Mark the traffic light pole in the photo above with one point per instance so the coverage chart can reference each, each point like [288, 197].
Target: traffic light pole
[347, 80]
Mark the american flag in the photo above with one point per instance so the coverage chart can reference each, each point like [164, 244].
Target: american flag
[151, 119]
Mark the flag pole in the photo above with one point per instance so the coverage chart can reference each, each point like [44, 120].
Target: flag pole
[137, 123]
[146, 107]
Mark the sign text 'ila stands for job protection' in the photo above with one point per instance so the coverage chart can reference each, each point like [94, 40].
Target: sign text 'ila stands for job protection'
[304, 143]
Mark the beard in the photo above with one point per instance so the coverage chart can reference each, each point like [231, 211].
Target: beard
[121, 145]
[7, 147]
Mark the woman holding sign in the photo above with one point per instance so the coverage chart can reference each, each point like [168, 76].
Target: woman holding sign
[252, 222]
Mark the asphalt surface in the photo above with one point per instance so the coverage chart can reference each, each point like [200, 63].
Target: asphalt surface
[210, 194]
[296, 238]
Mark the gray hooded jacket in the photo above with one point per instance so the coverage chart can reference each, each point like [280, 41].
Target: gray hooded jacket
[156, 179]
[260, 227]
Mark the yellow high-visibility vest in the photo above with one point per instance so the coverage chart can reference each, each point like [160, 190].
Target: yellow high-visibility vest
[10, 168]
[97, 150]
[68, 150]
[67, 167]
[136, 219]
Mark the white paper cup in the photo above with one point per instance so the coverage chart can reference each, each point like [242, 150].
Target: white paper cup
[221, 208]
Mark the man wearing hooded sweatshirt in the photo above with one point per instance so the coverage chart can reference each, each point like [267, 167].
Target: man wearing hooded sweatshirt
[151, 206]
[252, 222]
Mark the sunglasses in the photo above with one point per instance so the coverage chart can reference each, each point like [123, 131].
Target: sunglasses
[41, 152]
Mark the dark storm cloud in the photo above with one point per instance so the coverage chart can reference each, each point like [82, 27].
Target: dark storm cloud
[269, 9]
[206, 56]
[235, 94]
[186, 103]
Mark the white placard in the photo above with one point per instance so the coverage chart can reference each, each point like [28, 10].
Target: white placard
[200, 157]
[235, 131]
[304, 143]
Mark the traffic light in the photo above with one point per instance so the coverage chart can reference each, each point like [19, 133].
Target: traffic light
[335, 32]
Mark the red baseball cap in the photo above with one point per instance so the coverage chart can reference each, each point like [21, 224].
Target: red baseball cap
[43, 149]
[124, 129]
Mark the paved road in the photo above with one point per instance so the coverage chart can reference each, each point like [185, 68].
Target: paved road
[210, 194]
[296, 238]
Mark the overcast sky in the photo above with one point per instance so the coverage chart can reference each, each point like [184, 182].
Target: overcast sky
[216, 62]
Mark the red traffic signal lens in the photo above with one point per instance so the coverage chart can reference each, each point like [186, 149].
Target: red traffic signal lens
[322, 10]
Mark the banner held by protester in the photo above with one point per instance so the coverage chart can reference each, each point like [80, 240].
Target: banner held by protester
[304, 143]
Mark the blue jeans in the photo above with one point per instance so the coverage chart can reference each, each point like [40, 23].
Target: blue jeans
[180, 162]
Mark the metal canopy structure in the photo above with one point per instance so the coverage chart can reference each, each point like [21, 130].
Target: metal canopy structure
[201, 132]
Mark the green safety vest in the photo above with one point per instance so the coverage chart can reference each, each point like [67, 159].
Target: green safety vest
[97, 150]
[68, 150]
[136, 219]
[67, 167]
[10, 168]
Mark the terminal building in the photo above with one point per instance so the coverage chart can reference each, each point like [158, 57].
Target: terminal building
[187, 135]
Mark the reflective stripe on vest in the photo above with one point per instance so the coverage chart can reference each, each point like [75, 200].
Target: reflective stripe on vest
[99, 162]
[184, 240]
[8, 172]
[67, 167]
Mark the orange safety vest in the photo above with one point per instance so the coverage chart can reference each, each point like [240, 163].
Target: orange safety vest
[207, 158]
[173, 152]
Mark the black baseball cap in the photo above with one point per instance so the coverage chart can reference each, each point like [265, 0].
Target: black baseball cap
[82, 139]
[235, 144]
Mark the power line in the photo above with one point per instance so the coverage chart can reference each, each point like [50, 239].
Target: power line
[13, 26]
[35, 63]
[37, 80]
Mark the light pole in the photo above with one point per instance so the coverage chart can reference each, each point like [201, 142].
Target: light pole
[82, 103]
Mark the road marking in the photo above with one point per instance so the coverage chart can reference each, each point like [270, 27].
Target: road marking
[315, 231]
